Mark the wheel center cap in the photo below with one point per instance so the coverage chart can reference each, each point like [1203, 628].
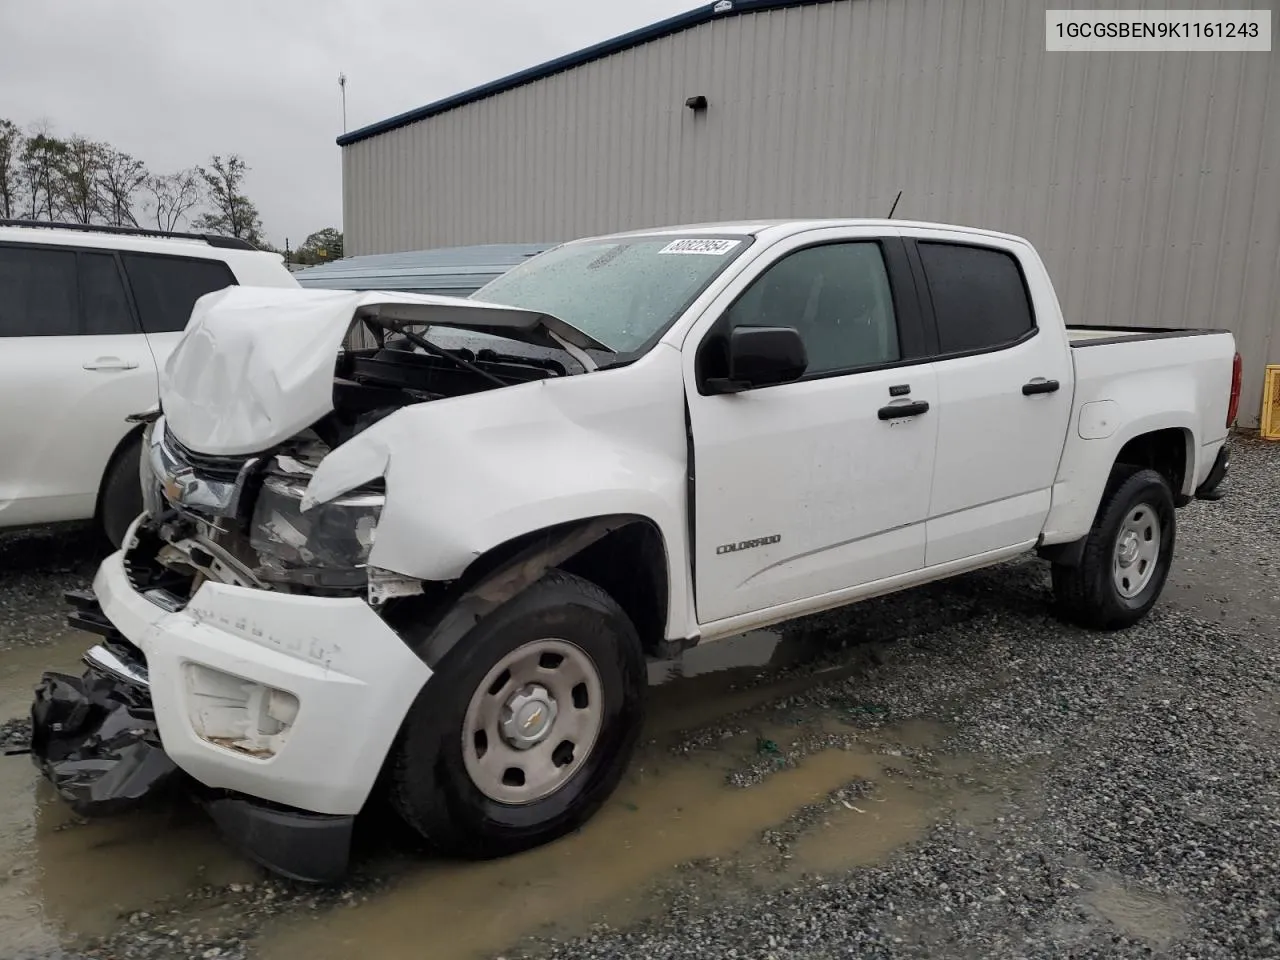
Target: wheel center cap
[1129, 550]
[528, 717]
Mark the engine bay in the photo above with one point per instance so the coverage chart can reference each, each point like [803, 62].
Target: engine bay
[373, 383]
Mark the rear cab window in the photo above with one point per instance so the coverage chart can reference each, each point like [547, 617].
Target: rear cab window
[166, 288]
[980, 297]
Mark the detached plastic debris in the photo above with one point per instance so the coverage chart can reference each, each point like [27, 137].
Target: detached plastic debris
[95, 738]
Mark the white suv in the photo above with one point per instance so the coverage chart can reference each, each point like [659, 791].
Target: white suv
[88, 316]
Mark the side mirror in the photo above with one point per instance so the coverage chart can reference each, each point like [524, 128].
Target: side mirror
[762, 357]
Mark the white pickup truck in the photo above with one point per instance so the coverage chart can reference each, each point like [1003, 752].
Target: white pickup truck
[430, 542]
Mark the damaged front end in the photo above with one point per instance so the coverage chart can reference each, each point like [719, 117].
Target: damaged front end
[246, 644]
[239, 520]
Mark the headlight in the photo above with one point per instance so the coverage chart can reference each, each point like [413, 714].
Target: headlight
[328, 546]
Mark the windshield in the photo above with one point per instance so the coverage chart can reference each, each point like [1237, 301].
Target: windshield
[623, 292]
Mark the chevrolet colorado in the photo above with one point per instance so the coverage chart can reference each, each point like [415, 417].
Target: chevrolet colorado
[428, 543]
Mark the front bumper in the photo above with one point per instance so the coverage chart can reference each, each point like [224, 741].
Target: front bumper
[209, 681]
[213, 664]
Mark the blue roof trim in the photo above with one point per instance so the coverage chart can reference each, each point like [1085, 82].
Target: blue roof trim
[656, 31]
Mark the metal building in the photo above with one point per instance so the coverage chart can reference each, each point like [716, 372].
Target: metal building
[452, 272]
[1149, 181]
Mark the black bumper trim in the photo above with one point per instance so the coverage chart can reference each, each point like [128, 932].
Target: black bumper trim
[310, 847]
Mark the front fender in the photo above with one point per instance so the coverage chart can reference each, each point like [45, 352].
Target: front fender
[468, 474]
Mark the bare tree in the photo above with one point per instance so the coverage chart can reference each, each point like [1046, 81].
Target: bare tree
[233, 213]
[120, 177]
[11, 144]
[40, 165]
[79, 195]
[173, 196]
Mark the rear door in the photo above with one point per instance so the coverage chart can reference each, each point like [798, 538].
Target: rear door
[804, 489]
[1004, 390]
[165, 289]
[73, 365]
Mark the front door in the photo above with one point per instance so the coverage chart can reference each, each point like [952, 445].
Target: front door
[804, 489]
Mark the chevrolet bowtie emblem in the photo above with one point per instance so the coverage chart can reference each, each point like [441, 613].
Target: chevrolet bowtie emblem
[533, 719]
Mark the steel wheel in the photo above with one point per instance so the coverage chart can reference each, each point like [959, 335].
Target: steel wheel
[532, 722]
[1137, 551]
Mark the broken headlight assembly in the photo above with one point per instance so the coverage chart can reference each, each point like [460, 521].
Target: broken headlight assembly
[326, 548]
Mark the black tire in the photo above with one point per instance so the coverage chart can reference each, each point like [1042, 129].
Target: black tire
[120, 501]
[427, 776]
[1088, 594]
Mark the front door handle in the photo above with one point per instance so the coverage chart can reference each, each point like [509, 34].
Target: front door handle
[1041, 386]
[900, 411]
[110, 363]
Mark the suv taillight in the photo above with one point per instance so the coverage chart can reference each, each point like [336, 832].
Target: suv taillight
[1237, 377]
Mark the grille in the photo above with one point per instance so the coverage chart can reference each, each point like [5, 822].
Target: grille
[224, 469]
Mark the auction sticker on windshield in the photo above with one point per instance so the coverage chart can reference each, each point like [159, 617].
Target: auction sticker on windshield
[710, 248]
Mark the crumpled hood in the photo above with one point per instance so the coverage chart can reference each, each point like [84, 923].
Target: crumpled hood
[256, 364]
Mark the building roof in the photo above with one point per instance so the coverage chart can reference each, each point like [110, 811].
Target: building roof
[656, 31]
[455, 271]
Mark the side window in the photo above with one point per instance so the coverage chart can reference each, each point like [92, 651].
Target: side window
[104, 308]
[838, 297]
[166, 288]
[979, 296]
[38, 293]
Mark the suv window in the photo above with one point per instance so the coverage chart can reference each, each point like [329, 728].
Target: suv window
[838, 297]
[166, 288]
[103, 304]
[979, 297]
[38, 292]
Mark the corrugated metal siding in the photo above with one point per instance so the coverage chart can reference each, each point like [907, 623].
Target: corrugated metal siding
[1150, 182]
[455, 271]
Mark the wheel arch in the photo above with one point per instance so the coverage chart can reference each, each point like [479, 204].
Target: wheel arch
[1170, 452]
[1169, 449]
[625, 555]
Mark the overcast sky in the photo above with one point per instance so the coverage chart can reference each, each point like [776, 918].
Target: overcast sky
[173, 81]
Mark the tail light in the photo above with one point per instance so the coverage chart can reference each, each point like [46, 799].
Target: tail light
[1237, 377]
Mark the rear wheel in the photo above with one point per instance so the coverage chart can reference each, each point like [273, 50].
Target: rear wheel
[121, 499]
[1127, 555]
[527, 726]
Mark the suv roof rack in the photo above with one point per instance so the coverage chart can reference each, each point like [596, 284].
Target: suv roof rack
[212, 239]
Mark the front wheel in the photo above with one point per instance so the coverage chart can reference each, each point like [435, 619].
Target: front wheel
[527, 726]
[1126, 558]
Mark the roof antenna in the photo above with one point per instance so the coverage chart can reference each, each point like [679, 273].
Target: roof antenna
[894, 208]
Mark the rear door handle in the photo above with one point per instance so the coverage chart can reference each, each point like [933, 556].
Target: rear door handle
[1041, 386]
[900, 411]
[110, 363]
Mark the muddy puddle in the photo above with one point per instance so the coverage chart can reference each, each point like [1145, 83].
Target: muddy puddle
[669, 811]
[63, 881]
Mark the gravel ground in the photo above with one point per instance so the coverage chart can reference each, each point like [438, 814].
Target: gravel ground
[1130, 781]
[37, 566]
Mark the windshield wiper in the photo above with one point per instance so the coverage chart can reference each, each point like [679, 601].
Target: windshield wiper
[438, 351]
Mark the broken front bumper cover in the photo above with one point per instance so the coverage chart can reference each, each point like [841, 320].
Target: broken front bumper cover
[96, 739]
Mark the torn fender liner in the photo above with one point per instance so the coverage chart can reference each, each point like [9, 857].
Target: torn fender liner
[95, 738]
